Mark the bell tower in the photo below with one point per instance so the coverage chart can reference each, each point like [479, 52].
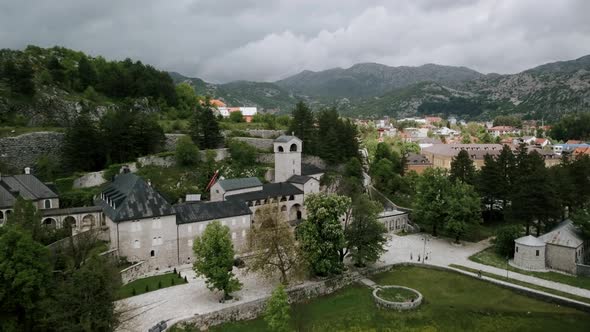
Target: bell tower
[287, 150]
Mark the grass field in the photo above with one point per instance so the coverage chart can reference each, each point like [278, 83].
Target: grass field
[490, 257]
[453, 302]
[396, 294]
[166, 280]
[524, 284]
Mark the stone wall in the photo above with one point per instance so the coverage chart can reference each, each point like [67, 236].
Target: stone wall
[134, 272]
[252, 309]
[23, 151]
[157, 161]
[265, 133]
[259, 143]
[89, 180]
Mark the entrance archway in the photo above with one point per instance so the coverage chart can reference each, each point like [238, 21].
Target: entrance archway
[49, 222]
[295, 212]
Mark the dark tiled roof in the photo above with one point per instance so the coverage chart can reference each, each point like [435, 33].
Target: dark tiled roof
[203, 211]
[285, 138]
[28, 186]
[268, 190]
[241, 183]
[6, 198]
[74, 210]
[133, 199]
[300, 179]
[309, 169]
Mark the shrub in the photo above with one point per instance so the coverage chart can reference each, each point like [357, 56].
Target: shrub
[147, 288]
[187, 152]
[172, 282]
[242, 153]
[159, 284]
[504, 241]
[133, 292]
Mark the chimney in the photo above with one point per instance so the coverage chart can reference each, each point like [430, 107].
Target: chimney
[193, 197]
[27, 170]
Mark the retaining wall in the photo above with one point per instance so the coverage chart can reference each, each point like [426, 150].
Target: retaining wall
[134, 272]
[259, 143]
[23, 151]
[583, 270]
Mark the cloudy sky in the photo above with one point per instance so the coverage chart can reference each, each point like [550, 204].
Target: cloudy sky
[225, 40]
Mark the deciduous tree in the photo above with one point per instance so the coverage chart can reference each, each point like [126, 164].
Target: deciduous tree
[277, 312]
[214, 258]
[365, 236]
[273, 245]
[321, 236]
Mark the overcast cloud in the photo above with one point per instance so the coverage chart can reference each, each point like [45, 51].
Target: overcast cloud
[265, 40]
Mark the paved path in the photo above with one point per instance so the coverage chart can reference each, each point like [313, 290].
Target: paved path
[176, 303]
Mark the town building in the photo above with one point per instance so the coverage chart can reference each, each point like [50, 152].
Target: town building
[417, 163]
[498, 131]
[562, 249]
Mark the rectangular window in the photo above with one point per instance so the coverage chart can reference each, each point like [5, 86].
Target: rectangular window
[517, 249]
[537, 253]
[243, 233]
[233, 235]
[190, 243]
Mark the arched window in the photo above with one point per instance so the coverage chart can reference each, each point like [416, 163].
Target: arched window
[1, 215]
[293, 147]
[281, 149]
[47, 204]
[152, 253]
[283, 208]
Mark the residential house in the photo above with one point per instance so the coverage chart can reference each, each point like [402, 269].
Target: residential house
[503, 130]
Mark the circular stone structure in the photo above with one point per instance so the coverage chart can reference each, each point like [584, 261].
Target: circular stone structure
[408, 305]
[529, 253]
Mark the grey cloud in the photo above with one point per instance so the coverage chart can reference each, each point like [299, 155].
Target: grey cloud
[224, 40]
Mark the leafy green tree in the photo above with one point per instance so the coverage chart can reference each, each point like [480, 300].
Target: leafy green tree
[187, 99]
[302, 125]
[504, 241]
[572, 126]
[462, 168]
[80, 150]
[463, 206]
[84, 298]
[91, 94]
[25, 278]
[242, 153]
[187, 153]
[277, 312]
[430, 204]
[581, 219]
[204, 128]
[321, 236]
[214, 259]
[19, 77]
[273, 245]
[365, 236]
[236, 117]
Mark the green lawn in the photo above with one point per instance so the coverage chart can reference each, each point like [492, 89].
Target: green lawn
[524, 284]
[396, 294]
[453, 302]
[490, 257]
[166, 280]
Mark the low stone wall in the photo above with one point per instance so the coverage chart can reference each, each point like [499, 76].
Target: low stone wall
[314, 160]
[259, 143]
[583, 270]
[397, 305]
[253, 309]
[265, 158]
[90, 180]
[134, 272]
[23, 151]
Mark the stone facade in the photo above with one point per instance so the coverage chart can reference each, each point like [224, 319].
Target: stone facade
[287, 159]
[561, 258]
[23, 151]
[135, 271]
[529, 257]
[238, 228]
[152, 240]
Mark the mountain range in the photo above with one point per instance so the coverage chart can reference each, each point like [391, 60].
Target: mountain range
[373, 90]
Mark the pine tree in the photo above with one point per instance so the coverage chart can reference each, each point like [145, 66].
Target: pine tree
[462, 168]
[302, 125]
[204, 128]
